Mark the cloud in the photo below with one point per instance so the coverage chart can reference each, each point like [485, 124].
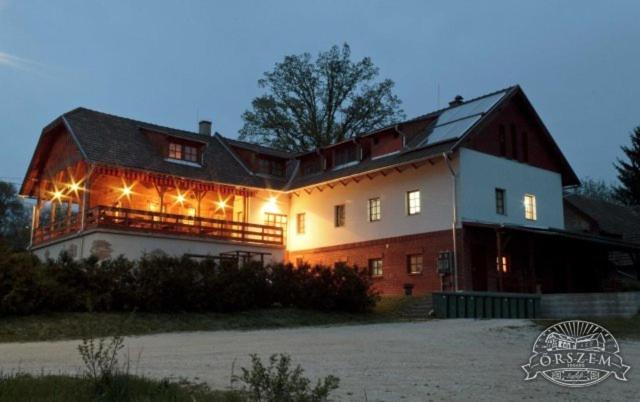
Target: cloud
[18, 63]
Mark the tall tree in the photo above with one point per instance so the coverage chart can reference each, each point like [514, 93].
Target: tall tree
[596, 189]
[14, 217]
[310, 104]
[628, 192]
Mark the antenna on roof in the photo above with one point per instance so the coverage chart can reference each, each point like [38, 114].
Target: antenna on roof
[437, 95]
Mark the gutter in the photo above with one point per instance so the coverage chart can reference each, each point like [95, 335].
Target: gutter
[454, 217]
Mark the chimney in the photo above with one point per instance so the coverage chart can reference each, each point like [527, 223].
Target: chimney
[458, 100]
[204, 127]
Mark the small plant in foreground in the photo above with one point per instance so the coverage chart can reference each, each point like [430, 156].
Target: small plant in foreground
[100, 358]
[279, 383]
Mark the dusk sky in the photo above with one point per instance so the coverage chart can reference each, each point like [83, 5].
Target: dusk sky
[175, 62]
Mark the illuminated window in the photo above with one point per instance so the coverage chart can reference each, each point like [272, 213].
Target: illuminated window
[500, 202]
[375, 267]
[374, 209]
[502, 264]
[413, 202]
[530, 210]
[277, 220]
[190, 154]
[175, 151]
[339, 215]
[300, 223]
[414, 263]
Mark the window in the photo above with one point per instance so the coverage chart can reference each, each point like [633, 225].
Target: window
[277, 220]
[502, 264]
[374, 209]
[344, 155]
[375, 267]
[413, 202]
[500, 202]
[300, 223]
[514, 142]
[190, 154]
[525, 147]
[339, 215]
[530, 211]
[175, 151]
[502, 140]
[414, 264]
[270, 166]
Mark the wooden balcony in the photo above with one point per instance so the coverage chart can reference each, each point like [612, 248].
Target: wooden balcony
[157, 222]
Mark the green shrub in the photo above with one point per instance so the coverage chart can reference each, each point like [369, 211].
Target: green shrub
[277, 382]
[169, 284]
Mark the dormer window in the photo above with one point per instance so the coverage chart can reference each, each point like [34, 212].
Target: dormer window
[190, 153]
[271, 167]
[183, 152]
[175, 151]
[344, 156]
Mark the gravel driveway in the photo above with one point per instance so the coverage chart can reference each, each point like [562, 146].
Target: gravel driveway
[436, 360]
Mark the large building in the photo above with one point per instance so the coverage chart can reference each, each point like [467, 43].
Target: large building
[467, 197]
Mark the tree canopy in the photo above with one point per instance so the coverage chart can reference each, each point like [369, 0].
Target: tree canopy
[14, 217]
[311, 104]
[628, 192]
[596, 189]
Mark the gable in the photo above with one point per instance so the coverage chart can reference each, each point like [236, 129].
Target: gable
[56, 151]
[514, 131]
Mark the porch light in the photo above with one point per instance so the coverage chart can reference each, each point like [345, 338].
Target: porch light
[271, 206]
[74, 187]
[56, 195]
[126, 190]
[222, 204]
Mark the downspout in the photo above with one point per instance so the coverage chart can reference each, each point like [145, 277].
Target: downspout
[33, 224]
[454, 218]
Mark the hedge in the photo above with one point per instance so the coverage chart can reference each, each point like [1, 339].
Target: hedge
[169, 284]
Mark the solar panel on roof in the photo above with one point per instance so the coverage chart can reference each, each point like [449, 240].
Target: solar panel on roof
[454, 122]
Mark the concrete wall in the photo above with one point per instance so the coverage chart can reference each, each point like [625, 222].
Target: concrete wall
[433, 181]
[480, 174]
[109, 244]
[586, 305]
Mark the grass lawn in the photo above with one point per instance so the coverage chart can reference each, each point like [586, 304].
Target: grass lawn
[76, 325]
[620, 328]
[59, 388]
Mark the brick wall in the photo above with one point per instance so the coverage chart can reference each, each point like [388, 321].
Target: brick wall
[394, 252]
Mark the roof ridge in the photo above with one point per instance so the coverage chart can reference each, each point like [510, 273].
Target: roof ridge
[438, 111]
[257, 145]
[136, 121]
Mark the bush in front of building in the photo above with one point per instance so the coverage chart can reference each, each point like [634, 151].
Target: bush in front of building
[168, 285]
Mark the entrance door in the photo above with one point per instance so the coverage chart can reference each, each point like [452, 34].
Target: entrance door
[479, 267]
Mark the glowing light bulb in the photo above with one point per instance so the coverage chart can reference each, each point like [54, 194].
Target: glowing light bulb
[56, 195]
[222, 204]
[74, 187]
[126, 190]
[180, 198]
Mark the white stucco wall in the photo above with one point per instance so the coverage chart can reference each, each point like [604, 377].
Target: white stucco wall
[133, 246]
[267, 201]
[480, 174]
[434, 183]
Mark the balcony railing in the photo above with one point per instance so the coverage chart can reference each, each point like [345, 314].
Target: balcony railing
[158, 222]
